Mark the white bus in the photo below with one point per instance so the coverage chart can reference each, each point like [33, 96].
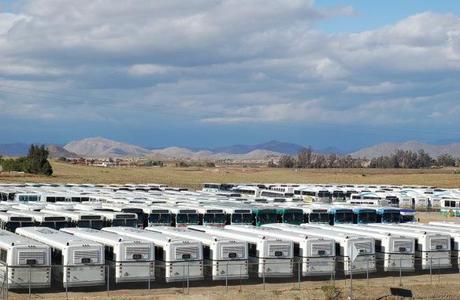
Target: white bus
[396, 251]
[211, 187]
[82, 260]
[247, 191]
[126, 207]
[274, 256]
[454, 234]
[212, 216]
[79, 218]
[432, 248]
[317, 254]
[42, 219]
[28, 262]
[368, 199]
[11, 222]
[418, 200]
[356, 253]
[154, 216]
[229, 257]
[239, 216]
[272, 195]
[134, 259]
[118, 218]
[182, 217]
[26, 197]
[313, 194]
[182, 258]
[316, 215]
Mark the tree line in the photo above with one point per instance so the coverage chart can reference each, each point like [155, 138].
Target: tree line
[306, 158]
[36, 162]
[413, 160]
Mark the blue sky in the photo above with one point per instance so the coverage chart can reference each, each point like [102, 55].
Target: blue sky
[208, 73]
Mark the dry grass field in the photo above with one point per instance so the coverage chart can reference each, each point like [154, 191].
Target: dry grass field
[192, 177]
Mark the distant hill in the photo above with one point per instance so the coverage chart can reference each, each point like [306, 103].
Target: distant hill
[185, 153]
[101, 147]
[56, 151]
[385, 149]
[16, 149]
[274, 146]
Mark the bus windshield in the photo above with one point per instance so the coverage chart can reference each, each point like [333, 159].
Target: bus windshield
[318, 217]
[192, 218]
[160, 219]
[131, 222]
[367, 217]
[241, 218]
[11, 226]
[293, 218]
[407, 218]
[343, 218]
[214, 218]
[95, 224]
[266, 218]
[391, 217]
[187, 218]
[324, 194]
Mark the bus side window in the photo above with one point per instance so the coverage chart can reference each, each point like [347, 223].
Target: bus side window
[3, 254]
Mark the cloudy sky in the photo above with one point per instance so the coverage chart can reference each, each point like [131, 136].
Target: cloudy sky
[207, 73]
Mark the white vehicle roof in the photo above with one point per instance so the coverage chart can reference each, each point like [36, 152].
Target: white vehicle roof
[9, 239]
[54, 238]
[74, 215]
[412, 233]
[359, 230]
[147, 235]
[337, 236]
[248, 237]
[276, 233]
[6, 217]
[203, 237]
[104, 237]
[37, 216]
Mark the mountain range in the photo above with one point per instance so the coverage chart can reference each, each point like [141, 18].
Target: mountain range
[98, 147]
[385, 149]
[101, 147]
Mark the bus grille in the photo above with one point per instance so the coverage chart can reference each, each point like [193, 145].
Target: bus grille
[402, 246]
[132, 252]
[439, 244]
[279, 250]
[26, 257]
[93, 255]
[321, 249]
[187, 253]
[233, 252]
[364, 247]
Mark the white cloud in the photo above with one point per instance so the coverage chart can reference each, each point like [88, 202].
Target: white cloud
[147, 69]
[225, 61]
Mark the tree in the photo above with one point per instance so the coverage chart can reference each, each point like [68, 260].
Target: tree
[287, 161]
[446, 160]
[304, 158]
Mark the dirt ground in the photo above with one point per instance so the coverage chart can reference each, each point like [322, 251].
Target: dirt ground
[437, 286]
